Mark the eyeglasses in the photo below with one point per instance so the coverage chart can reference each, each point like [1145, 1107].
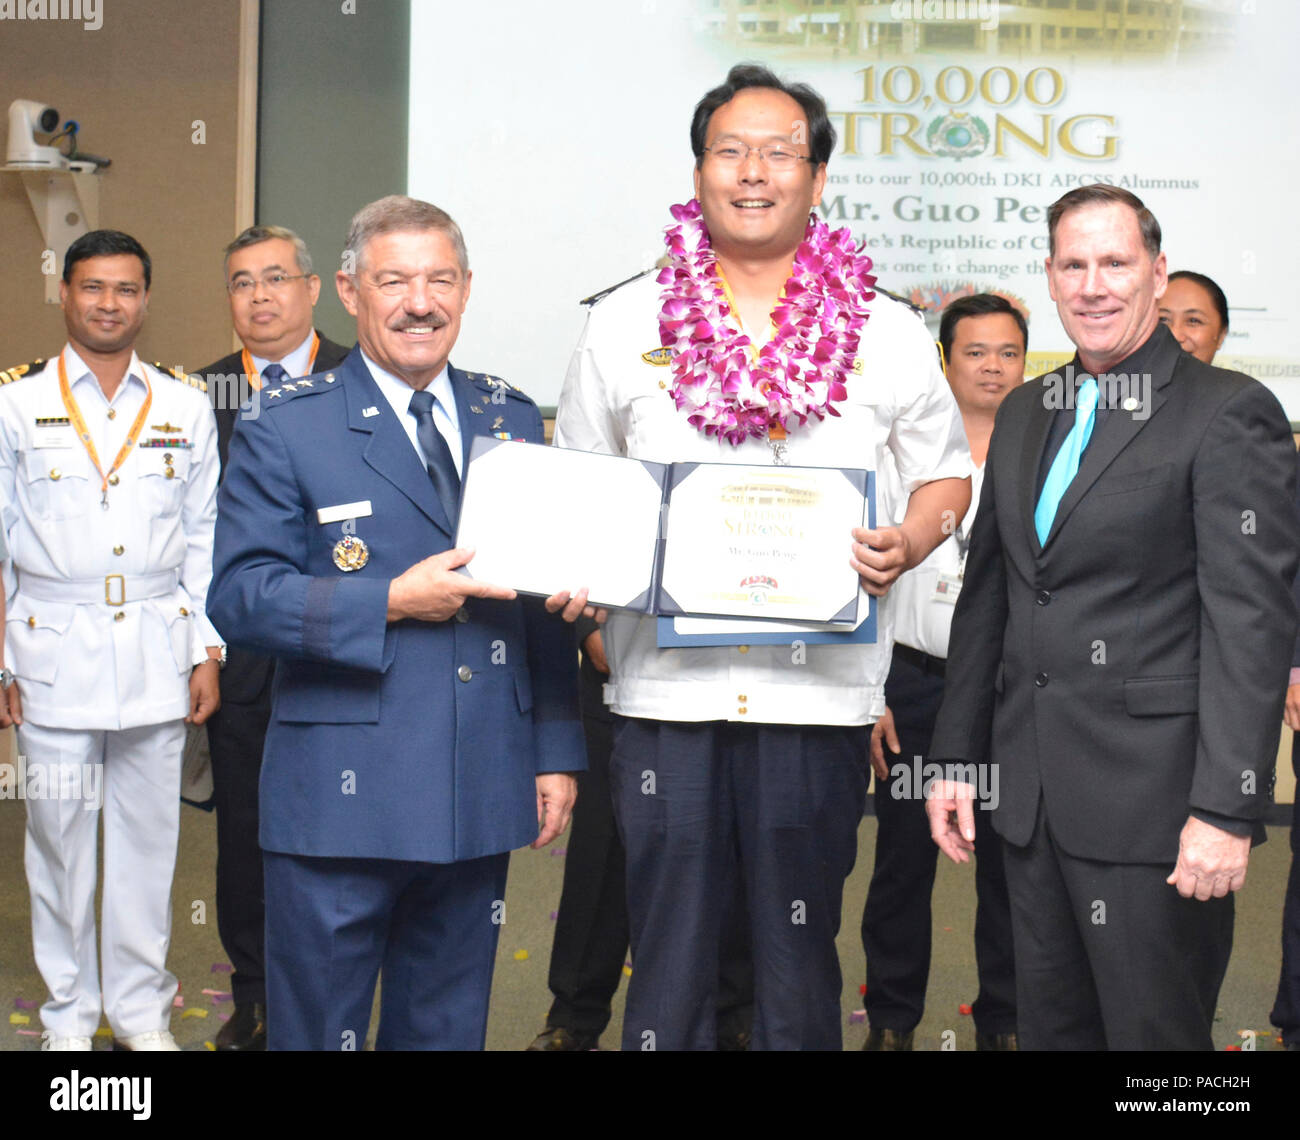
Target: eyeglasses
[272, 283]
[779, 156]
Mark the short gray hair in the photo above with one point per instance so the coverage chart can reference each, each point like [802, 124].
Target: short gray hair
[255, 235]
[398, 213]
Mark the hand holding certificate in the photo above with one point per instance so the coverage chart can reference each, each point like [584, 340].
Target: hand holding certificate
[721, 539]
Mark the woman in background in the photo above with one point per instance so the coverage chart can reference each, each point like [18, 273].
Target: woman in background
[1196, 312]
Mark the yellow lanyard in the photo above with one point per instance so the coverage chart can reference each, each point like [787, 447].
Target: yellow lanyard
[83, 432]
[255, 381]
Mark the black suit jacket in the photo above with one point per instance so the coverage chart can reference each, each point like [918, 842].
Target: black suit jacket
[1133, 668]
[246, 677]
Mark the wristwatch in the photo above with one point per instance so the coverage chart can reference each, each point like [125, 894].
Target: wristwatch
[7, 678]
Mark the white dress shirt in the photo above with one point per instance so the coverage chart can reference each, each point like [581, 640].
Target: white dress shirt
[923, 617]
[296, 363]
[398, 394]
[615, 402]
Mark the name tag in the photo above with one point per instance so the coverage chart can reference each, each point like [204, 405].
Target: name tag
[344, 511]
[53, 437]
[946, 589]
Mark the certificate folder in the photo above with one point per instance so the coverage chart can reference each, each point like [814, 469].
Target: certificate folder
[700, 539]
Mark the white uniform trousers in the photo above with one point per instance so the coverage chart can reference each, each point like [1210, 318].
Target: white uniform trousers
[138, 772]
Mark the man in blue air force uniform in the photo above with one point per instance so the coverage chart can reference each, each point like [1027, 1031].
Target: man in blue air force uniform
[424, 723]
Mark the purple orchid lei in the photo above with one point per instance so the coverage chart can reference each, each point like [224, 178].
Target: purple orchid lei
[800, 372]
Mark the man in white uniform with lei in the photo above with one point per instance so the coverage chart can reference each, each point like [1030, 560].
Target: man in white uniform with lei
[761, 342]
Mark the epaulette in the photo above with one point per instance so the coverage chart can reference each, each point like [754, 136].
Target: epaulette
[596, 298]
[483, 380]
[18, 371]
[303, 386]
[184, 377]
[920, 312]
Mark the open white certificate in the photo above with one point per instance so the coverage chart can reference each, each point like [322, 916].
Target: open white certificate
[545, 519]
[762, 542]
[705, 539]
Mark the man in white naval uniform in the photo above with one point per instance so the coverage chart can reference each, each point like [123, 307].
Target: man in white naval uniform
[108, 477]
[759, 752]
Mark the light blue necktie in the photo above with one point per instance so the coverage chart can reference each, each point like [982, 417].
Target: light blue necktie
[1066, 464]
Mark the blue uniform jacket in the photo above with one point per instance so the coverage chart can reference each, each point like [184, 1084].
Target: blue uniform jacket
[416, 740]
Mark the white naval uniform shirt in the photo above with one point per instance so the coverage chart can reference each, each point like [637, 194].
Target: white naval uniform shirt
[922, 619]
[615, 402]
[80, 666]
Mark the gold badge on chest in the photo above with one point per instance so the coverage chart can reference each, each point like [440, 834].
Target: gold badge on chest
[351, 553]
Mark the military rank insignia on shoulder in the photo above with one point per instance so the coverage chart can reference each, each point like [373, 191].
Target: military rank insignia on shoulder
[596, 298]
[484, 380]
[18, 371]
[917, 310]
[184, 377]
[304, 385]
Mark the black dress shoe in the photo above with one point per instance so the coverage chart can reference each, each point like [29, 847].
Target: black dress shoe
[245, 1032]
[888, 1041]
[996, 1043]
[557, 1039]
[734, 1041]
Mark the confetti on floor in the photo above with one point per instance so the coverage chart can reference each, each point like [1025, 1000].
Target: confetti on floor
[521, 955]
[28, 1032]
[858, 1017]
[194, 1012]
[554, 915]
[209, 1047]
[178, 1002]
[223, 1017]
[862, 989]
[627, 971]
[222, 968]
[948, 929]
[23, 1003]
[559, 851]
[964, 1010]
[19, 1019]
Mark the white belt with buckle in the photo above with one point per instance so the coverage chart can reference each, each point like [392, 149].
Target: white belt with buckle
[111, 590]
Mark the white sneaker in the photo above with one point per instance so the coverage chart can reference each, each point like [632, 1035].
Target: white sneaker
[155, 1041]
[50, 1043]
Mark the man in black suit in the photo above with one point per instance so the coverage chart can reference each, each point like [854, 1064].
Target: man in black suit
[1286, 1006]
[272, 291]
[1120, 650]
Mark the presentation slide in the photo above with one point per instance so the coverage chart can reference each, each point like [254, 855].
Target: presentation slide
[558, 136]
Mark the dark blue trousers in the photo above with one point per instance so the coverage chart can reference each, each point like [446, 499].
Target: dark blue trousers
[1286, 1007]
[699, 805]
[333, 924]
[896, 927]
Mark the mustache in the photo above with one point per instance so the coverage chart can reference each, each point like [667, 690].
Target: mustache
[432, 320]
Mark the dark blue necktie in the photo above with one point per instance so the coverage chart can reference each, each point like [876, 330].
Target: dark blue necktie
[442, 470]
[273, 374]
